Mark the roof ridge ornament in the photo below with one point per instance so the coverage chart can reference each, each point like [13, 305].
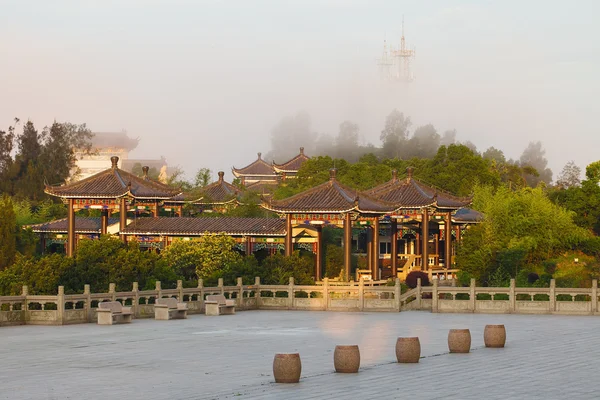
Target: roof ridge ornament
[409, 173]
[114, 160]
[302, 150]
[145, 170]
[394, 175]
[221, 175]
[332, 174]
[259, 155]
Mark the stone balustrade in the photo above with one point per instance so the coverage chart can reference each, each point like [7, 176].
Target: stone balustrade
[64, 309]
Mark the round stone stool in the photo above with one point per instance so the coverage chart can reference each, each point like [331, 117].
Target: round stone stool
[408, 349]
[459, 341]
[346, 359]
[494, 336]
[287, 368]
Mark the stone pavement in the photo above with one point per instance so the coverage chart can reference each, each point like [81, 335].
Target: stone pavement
[547, 357]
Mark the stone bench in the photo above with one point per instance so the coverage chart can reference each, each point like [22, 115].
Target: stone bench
[113, 312]
[219, 305]
[169, 308]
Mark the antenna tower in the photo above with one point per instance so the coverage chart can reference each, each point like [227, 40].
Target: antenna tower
[396, 64]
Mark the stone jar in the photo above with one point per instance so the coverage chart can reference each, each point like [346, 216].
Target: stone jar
[408, 349]
[494, 336]
[346, 359]
[459, 340]
[287, 368]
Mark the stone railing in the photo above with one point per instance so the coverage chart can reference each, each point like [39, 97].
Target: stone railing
[62, 309]
[512, 299]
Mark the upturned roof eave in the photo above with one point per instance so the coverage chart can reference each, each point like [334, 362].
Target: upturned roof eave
[166, 233]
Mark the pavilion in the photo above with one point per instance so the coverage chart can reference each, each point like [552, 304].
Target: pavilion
[112, 190]
[330, 203]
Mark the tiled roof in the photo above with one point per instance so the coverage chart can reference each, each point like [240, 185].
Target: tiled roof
[294, 164]
[218, 192]
[113, 183]
[82, 225]
[467, 215]
[187, 226]
[411, 193]
[329, 197]
[257, 168]
[262, 186]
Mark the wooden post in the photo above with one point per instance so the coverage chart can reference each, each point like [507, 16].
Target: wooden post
[347, 245]
[436, 241]
[594, 296]
[248, 246]
[394, 249]
[318, 263]
[122, 218]
[552, 295]
[103, 222]
[448, 241]
[288, 235]
[425, 237]
[70, 228]
[434, 296]
[155, 209]
[375, 265]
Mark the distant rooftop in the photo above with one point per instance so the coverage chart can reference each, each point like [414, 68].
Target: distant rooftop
[114, 139]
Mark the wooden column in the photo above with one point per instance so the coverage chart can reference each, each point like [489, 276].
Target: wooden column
[394, 248]
[123, 218]
[437, 245]
[103, 222]
[425, 238]
[71, 228]
[448, 241]
[288, 235]
[458, 238]
[375, 263]
[369, 231]
[155, 211]
[248, 246]
[347, 245]
[418, 244]
[319, 252]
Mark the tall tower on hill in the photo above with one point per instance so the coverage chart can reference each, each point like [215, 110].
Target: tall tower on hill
[396, 64]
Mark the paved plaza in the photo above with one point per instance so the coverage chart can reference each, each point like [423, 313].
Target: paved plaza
[546, 357]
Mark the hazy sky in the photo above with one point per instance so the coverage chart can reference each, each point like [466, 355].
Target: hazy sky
[203, 82]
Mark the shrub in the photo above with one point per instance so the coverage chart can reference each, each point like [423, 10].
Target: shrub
[411, 279]
[532, 277]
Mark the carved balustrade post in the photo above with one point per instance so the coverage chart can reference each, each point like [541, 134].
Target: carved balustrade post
[434, 296]
[290, 300]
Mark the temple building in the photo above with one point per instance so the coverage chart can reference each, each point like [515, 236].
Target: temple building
[262, 177]
[112, 190]
[105, 145]
[394, 228]
[290, 169]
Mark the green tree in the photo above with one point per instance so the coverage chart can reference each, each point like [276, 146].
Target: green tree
[203, 178]
[58, 152]
[521, 228]
[8, 237]
[534, 156]
[395, 134]
[206, 256]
